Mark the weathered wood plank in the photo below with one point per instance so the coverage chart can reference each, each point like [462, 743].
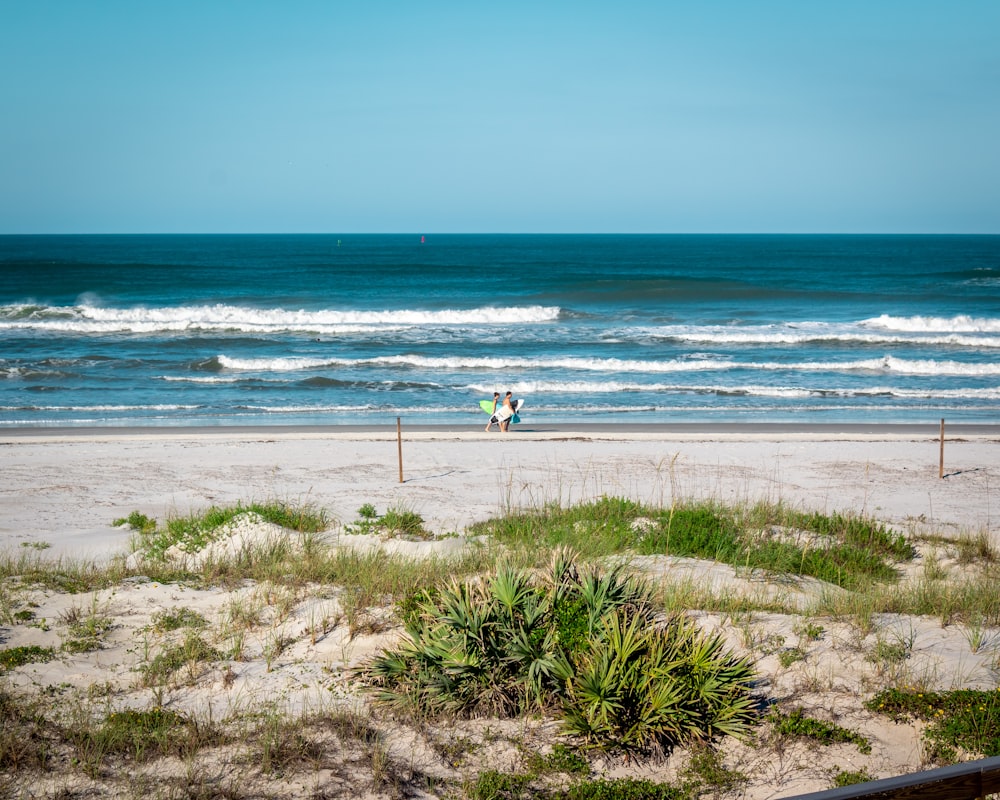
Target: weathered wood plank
[966, 781]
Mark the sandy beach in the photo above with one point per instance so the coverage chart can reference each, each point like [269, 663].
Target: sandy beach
[61, 491]
[66, 487]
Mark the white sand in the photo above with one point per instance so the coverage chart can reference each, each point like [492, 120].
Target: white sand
[66, 490]
[63, 492]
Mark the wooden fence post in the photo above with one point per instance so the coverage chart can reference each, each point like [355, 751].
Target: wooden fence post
[399, 445]
[941, 461]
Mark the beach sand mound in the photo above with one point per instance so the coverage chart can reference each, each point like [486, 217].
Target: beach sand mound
[278, 672]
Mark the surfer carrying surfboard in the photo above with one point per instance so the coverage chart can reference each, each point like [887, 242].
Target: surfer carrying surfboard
[507, 412]
[503, 415]
[492, 412]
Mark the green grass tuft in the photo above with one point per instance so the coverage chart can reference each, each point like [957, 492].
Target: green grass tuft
[797, 724]
[846, 551]
[14, 657]
[195, 531]
[960, 720]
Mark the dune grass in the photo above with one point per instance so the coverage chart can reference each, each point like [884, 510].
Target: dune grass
[855, 553]
[846, 551]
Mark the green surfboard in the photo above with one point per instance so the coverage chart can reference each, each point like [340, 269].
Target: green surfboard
[487, 406]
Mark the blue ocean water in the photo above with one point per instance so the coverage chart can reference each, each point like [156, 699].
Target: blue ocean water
[360, 329]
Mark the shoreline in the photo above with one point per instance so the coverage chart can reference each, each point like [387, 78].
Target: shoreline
[721, 431]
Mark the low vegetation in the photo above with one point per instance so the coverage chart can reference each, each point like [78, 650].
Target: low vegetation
[959, 721]
[395, 523]
[585, 644]
[846, 551]
[14, 657]
[539, 620]
[194, 531]
[798, 724]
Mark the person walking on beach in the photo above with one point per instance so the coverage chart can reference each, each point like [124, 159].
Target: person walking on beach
[493, 413]
[506, 412]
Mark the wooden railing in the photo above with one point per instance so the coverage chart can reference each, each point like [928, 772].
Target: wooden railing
[968, 781]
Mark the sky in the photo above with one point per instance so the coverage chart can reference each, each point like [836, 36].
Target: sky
[869, 116]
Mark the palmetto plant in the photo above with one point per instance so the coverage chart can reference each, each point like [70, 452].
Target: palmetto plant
[647, 687]
[583, 643]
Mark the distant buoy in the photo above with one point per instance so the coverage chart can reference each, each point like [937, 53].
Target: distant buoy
[422, 240]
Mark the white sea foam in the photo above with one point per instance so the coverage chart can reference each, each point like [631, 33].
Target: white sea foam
[276, 364]
[809, 332]
[105, 408]
[586, 388]
[918, 324]
[100, 319]
[613, 365]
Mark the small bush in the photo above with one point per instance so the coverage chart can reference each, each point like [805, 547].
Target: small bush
[966, 719]
[139, 735]
[843, 778]
[14, 657]
[799, 725]
[790, 655]
[562, 759]
[86, 631]
[494, 785]
[585, 643]
[138, 522]
[403, 523]
[394, 523]
[191, 653]
[622, 789]
[706, 768]
[176, 618]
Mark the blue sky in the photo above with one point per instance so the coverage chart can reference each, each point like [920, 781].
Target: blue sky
[382, 116]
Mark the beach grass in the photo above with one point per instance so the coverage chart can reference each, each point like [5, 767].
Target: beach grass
[372, 591]
[844, 550]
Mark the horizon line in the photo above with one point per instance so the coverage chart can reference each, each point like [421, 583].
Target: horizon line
[502, 233]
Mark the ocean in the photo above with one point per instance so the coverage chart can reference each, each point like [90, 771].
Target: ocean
[177, 330]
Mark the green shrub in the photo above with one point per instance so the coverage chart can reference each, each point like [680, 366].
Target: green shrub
[855, 550]
[562, 759]
[843, 778]
[966, 719]
[494, 785]
[190, 653]
[140, 736]
[138, 522]
[706, 768]
[699, 531]
[799, 725]
[14, 657]
[647, 687]
[584, 643]
[177, 618]
[622, 789]
[86, 630]
[140, 733]
[396, 522]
